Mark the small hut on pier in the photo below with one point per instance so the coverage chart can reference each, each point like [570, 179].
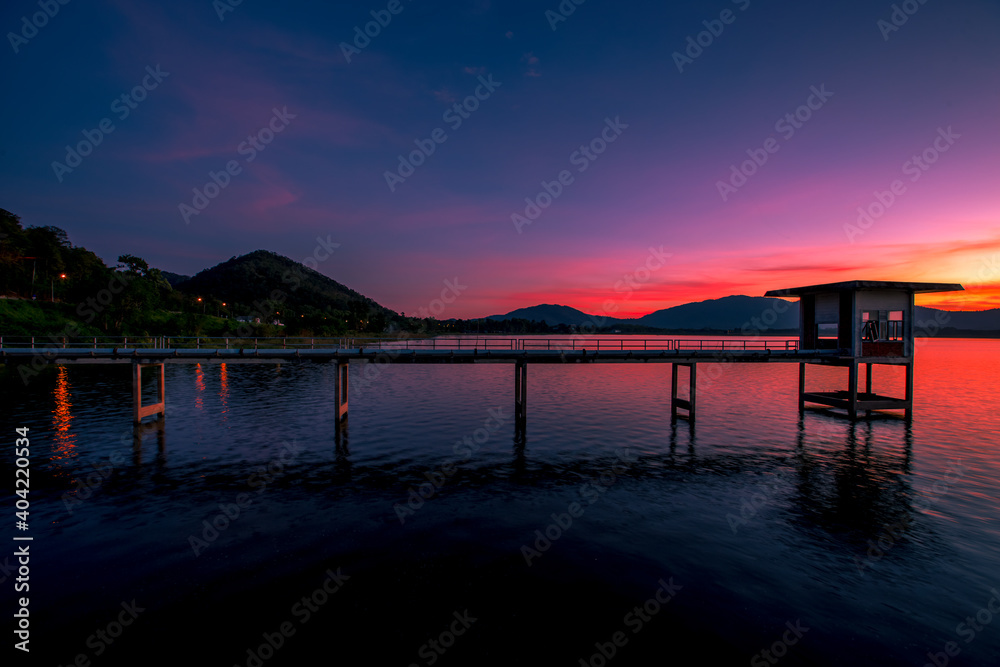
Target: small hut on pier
[869, 322]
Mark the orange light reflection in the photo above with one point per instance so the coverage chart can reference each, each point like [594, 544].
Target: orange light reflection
[64, 445]
[199, 385]
[224, 389]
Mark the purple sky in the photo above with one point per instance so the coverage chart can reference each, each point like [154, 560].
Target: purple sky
[645, 140]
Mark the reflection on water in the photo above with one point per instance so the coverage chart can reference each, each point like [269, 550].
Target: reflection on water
[64, 439]
[879, 535]
[224, 391]
[142, 440]
[199, 387]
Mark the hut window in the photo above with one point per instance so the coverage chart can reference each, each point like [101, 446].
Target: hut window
[882, 325]
[827, 334]
[870, 329]
[895, 325]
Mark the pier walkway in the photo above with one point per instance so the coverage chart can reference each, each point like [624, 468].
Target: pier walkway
[28, 355]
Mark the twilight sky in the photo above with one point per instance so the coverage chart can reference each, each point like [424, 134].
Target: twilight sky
[648, 131]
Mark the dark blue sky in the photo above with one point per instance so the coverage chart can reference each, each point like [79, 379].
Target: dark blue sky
[650, 156]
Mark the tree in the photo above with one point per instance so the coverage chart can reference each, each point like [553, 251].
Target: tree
[141, 296]
[133, 265]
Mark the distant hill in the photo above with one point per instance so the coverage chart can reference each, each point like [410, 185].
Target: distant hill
[727, 313]
[970, 320]
[252, 278]
[552, 315]
[174, 279]
[732, 313]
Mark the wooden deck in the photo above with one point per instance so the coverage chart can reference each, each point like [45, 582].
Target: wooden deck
[54, 355]
[681, 353]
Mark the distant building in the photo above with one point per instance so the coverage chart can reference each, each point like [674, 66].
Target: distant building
[256, 320]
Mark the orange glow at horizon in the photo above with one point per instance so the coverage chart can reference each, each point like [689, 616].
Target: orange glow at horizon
[982, 297]
[626, 280]
[654, 298]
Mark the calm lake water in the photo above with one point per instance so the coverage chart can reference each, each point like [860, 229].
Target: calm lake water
[607, 529]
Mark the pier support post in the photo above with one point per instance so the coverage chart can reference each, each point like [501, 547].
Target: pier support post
[852, 390]
[520, 390]
[676, 402]
[520, 402]
[868, 386]
[802, 388]
[692, 390]
[909, 391]
[673, 392]
[138, 410]
[340, 391]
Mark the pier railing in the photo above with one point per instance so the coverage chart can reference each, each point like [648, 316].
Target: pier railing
[436, 343]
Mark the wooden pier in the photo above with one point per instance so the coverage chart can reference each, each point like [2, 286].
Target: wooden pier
[842, 324]
[517, 352]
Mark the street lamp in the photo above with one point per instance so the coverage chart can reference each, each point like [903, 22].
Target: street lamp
[52, 287]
